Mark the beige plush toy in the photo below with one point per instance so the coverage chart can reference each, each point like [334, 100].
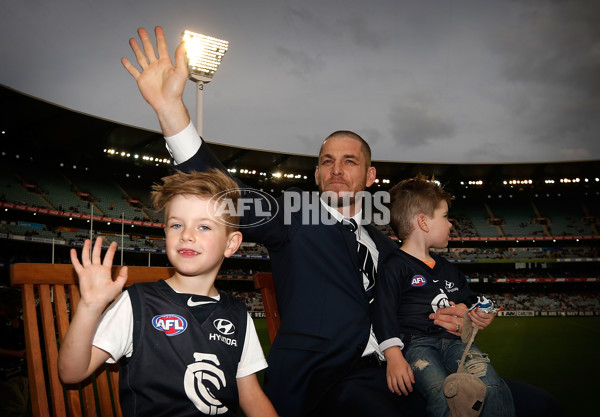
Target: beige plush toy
[464, 392]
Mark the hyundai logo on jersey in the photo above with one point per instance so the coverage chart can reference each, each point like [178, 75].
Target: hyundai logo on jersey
[418, 281]
[224, 326]
[169, 324]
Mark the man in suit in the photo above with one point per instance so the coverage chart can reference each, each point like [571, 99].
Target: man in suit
[325, 359]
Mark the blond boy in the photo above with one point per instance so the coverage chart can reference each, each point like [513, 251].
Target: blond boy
[185, 348]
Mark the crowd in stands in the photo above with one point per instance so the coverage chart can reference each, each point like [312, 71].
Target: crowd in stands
[156, 242]
[494, 275]
[556, 301]
[62, 194]
[527, 301]
[520, 253]
[252, 299]
[463, 226]
[468, 221]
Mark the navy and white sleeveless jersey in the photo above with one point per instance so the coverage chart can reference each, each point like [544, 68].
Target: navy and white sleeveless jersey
[184, 358]
[408, 291]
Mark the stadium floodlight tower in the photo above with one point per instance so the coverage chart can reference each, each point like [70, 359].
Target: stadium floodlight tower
[204, 55]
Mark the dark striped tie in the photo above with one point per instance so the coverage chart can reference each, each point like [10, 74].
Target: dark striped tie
[365, 261]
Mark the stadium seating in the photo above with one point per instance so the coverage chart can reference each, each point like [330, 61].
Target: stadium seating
[565, 218]
[475, 217]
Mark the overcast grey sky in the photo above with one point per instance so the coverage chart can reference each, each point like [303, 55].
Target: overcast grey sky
[422, 81]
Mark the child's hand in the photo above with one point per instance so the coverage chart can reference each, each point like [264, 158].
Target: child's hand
[482, 312]
[481, 319]
[398, 373]
[95, 282]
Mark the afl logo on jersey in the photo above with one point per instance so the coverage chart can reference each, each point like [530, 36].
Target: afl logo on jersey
[169, 324]
[418, 281]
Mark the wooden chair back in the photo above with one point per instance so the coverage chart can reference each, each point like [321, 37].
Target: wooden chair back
[263, 281]
[50, 295]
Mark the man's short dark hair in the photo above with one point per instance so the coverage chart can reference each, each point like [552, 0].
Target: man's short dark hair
[366, 149]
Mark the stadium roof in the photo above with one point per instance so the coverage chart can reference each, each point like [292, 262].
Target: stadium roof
[32, 125]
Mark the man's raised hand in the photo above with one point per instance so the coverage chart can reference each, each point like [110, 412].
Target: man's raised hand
[160, 82]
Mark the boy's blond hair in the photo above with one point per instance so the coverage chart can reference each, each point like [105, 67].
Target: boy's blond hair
[200, 184]
[411, 197]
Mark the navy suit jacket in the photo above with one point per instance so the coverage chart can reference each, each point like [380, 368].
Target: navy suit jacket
[325, 312]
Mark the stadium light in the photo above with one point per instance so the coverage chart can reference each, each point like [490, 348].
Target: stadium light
[204, 55]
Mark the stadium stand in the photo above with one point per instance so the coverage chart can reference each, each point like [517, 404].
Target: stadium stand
[543, 234]
[516, 218]
[474, 218]
[565, 218]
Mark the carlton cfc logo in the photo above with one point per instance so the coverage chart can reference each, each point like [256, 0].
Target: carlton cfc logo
[202, 382]
[169, 324]
[418, 281]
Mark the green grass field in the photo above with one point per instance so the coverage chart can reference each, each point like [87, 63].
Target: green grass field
[557, 354]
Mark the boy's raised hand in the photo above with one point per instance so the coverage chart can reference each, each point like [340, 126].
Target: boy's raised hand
[95, 276]
[160, 82]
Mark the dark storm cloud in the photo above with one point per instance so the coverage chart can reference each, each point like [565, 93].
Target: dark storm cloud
[371, 135]
[363, 34]
[417, 124]
[334, 25]
[556, 43]
[299, 62]
[552, 54]
[486, 152]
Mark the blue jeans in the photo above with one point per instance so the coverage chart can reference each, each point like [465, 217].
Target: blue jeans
[433, 359]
